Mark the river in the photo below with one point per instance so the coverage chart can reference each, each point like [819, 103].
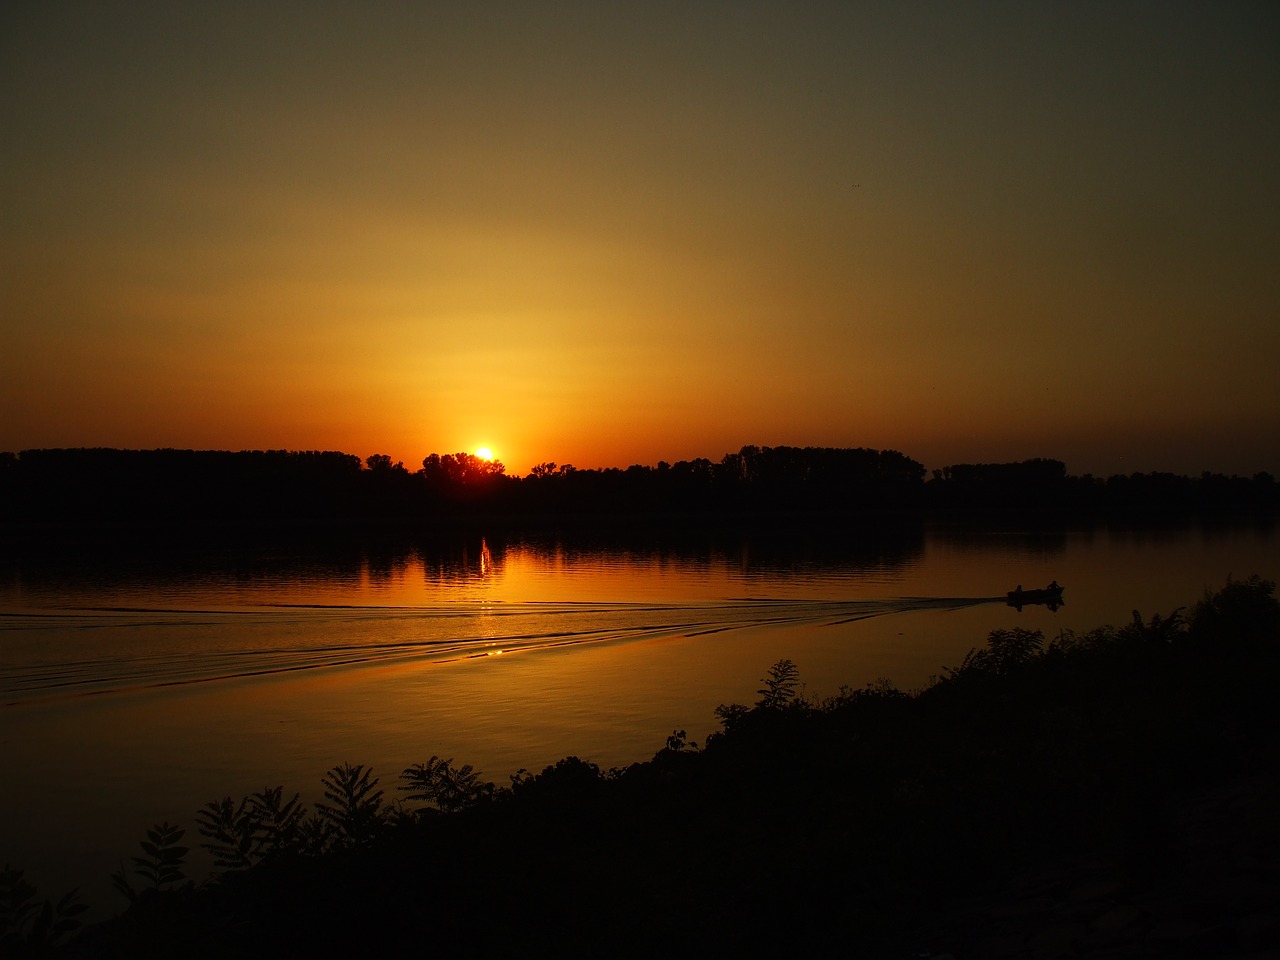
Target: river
[137, 685]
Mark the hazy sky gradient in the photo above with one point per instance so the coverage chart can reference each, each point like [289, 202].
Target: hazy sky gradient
[608, 234]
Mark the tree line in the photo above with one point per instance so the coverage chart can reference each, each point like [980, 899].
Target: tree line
[168, 485]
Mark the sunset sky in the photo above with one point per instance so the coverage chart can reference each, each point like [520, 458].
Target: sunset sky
[614, 233]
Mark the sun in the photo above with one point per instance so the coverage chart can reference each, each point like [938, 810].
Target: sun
[484, 453]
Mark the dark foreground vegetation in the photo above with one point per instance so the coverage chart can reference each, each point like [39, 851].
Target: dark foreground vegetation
[203, 487]
[847, 825]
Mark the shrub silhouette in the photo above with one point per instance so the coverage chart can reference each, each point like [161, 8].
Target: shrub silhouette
[30, 926]
[1006, 651]
[443, 786]
[1158, 631]
[162, 865]
[231, 831]
[568, 780]
[260, 825]
[780, 685]
[279, 822]
[679, 740]
[355, 808]
[779, 692]
[1243, 611]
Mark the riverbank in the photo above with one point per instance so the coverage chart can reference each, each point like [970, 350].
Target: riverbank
[1217, 893]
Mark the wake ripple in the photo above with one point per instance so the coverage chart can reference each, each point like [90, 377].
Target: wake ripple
[93, 651]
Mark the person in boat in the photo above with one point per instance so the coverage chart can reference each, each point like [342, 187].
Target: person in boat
[1053, 585]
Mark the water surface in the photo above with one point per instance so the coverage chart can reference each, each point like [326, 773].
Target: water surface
[136, 687]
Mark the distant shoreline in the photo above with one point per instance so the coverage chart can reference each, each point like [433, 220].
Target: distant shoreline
[180, 489]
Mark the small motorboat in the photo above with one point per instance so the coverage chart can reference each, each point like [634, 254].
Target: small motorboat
[1050, 596]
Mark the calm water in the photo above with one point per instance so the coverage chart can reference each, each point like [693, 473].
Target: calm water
[137, 685]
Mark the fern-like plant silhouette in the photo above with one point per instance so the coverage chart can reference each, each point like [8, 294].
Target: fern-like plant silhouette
[354, 810]
[162, 865]
[28, 926]
[446, 787]
[231, 831]
[279, 821]
[780, 685]
[1006, 651]
[260, 825]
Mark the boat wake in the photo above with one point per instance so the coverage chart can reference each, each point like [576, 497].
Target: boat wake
[93, 651]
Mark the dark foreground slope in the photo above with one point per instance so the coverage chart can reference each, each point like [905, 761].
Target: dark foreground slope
[1087, 795]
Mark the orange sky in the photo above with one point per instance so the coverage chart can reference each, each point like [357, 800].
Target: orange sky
[613, 234]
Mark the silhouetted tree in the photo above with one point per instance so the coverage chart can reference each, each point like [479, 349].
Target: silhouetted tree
[253, 487]
[381, 463]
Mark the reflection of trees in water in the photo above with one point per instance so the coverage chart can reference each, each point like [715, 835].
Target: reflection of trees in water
[757, 548]
[862, 546]
[460, 557]
[70, 563]
[1048, 540]
[1211, 528]
[446, 556]
[104, 564]
[457, 554]
[975, 537]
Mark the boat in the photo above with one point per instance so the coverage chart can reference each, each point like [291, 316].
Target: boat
[1050, 596]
